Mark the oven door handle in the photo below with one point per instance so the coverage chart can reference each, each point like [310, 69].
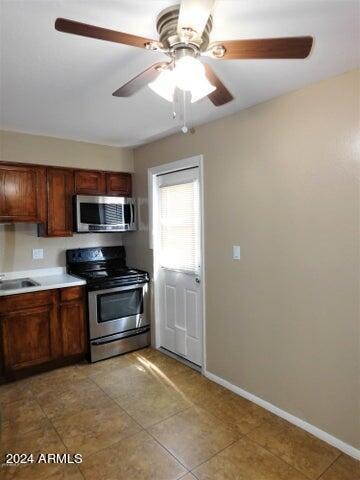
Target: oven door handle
[123, 288]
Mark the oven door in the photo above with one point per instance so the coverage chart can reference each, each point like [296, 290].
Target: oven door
[117, 310]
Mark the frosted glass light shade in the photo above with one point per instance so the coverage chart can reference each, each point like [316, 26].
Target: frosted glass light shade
[187, 72]
[164, 85]
[201, 90]
[189, 75]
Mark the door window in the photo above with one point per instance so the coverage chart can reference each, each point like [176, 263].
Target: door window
[179, 226]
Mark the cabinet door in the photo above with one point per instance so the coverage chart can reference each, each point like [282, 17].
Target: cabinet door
[60, 189]
[118, 184]
[72, 317]
[90, 182]
[30, 337]
[22, 193]
[22, 301]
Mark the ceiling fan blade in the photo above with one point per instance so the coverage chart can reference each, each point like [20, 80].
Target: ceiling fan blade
[140, 81]
[287, 47]
[221, 95]
[194, 14]
[85, 30]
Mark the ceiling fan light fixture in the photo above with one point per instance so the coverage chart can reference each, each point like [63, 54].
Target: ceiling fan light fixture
[189, 75]
[187, 71]
[164, 85]
[184, 36]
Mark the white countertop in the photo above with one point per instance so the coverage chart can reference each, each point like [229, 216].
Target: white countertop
[47, 278]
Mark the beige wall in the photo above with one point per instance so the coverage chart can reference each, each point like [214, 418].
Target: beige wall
[17, 241]
[22, 147]
[281, 180]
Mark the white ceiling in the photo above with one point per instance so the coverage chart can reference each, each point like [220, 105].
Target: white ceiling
[60, 85]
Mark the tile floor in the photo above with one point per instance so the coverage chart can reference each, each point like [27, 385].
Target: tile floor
[146, 416]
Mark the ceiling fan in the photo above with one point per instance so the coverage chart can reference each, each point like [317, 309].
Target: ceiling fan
[184, 32]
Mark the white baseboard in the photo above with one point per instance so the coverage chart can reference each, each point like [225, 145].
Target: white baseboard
[326, 437]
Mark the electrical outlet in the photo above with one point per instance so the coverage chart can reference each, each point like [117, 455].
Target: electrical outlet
[37, 253]
[236, 252]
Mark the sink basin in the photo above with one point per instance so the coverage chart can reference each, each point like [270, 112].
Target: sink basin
[17, 283]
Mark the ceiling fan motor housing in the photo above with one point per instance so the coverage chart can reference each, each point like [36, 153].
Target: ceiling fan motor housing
[166, 25]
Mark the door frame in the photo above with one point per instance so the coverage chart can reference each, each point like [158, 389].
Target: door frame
[196, 161]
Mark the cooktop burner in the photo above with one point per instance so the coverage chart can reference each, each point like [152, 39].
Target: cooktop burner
[101, 265]
[109, 273]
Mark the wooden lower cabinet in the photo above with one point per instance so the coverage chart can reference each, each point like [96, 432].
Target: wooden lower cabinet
[72, 328]
[30, 337]
[41, 330]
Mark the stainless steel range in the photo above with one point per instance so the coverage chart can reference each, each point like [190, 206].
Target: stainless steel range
[117, 300]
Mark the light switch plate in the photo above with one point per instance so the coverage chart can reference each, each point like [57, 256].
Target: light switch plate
[37, 253]
[236, 252]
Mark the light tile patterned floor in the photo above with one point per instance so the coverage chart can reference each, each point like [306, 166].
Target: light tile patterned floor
[145, 416]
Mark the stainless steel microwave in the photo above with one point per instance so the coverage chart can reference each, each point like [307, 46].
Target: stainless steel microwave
[93, 213]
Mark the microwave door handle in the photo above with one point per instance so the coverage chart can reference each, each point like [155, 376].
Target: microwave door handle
[132, 214]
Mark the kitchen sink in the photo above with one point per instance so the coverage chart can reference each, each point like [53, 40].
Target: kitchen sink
[17, 283]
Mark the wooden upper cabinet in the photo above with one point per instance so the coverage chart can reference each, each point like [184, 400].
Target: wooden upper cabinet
[118, 184]
[22, 193]
[91, 182]
[60, 189]
[43, 195]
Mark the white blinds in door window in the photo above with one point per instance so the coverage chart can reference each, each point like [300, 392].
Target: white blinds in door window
[179, 226]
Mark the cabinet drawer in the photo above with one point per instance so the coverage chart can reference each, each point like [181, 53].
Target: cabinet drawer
[23, 301]
[71, 293]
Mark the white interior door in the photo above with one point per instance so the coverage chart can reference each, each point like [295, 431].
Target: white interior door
[178, 244]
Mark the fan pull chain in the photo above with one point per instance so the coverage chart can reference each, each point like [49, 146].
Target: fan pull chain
[186, 105]
[175, 106]
[184, 127]
[181, 110]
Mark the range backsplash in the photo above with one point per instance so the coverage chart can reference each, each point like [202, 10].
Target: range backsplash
[18, 240]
